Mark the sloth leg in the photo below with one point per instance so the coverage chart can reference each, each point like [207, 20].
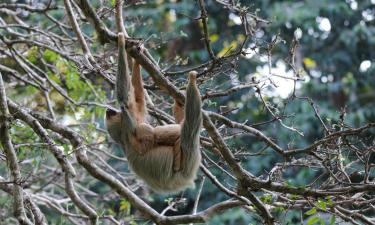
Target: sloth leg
[139, 93]
[144, 138]
[188, 144]
[178, 112]
[125, 97]
[177, 156]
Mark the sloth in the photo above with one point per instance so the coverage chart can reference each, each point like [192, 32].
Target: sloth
[165, 157]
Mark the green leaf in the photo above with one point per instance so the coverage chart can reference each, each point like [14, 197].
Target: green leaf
[332, 220]
[322, 204]
[313, 220]
[266, 199]
[111, 212]
[311, 212]
[50, 56]
[279, 209]
[168, 200]
[125, 206]
[213, 38]
[329, 201]
[33, 54]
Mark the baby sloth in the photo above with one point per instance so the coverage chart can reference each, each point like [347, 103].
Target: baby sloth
[166, 157]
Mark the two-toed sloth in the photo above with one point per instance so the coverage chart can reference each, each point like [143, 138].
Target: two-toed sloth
[166, 157]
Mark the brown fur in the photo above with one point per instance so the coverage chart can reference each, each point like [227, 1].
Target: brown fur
[178, 112]
[165, 157]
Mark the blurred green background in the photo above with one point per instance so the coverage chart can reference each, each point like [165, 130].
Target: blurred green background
[335, 55]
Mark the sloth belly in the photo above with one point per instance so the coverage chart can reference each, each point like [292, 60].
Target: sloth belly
[156, 168]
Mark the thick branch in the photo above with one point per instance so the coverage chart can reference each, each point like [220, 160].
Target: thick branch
[5, 139]
[68, 169]
[100, 174]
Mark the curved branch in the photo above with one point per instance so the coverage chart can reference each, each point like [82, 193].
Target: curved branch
[19, 208]
[100, 174]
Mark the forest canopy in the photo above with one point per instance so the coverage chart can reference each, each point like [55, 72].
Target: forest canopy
[288, 107]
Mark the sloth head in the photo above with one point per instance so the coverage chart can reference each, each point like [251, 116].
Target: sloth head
[113, 123]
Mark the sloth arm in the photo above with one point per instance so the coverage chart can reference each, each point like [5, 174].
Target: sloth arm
[167, 134]
[147, 137]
